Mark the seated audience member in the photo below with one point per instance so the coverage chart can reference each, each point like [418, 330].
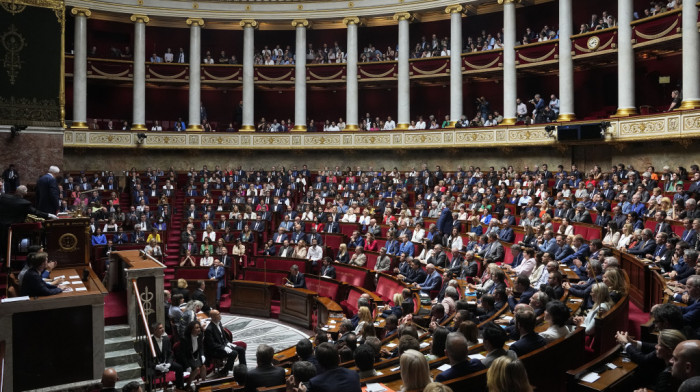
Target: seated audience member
[601, 304]
[305, 351]
[265, 374]
[188, 260]
[218, 346]
[302, 372]
[685, 361]
[164, 361]
[431, 282]
[456, 350]
[364, 360]
[525, 321]
[359, 258]
[507, 374]
[109, 380]
[334, 378]
[521, 286]
[33, 285]
[415, 373]
[494, 338]
[191, 352]
[295, 278]
[556, 316]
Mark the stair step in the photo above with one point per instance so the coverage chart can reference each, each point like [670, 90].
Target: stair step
[113, 331]
[128, 371]
[121, 357]
[119, 343]
[123, 382]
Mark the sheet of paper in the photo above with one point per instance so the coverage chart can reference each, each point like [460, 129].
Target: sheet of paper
[391, 345]
[444, 367]
[611, 365]
[81, 289]
[507, 318]
[60, 276]
[477, 356]
[332, 321]
[15, 299]
[74, 277]
[509, 343]
[76, 282]
[375, 387]
[396, 368]
[590, 377]
[424, 344]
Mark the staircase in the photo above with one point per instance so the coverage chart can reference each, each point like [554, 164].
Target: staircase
[172, 244]
[120, 354]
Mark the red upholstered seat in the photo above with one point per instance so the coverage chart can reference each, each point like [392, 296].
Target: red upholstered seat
[324, 287]
[371, 260]
[387, 287]
[351, 276]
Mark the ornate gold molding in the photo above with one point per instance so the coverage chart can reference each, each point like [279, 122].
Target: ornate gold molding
[508, 1]
[403, 16]
[249, 23]
[195, 22]
[566, 117]
[454, 9]
[351, 20]
[138, 18]
[301, 22]
[690, 104]
[299, 128]
[81, 11]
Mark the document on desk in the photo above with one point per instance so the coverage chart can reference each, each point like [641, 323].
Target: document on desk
[444, 367]
[590, 377]
[375, 387]
[424, 344]
[477, 356]
[81, 289]
[391, 345]
[74, 277]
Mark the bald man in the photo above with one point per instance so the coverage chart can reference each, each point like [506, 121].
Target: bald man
[456, 349]
[685, 362]
[109, 380]
[217, 344]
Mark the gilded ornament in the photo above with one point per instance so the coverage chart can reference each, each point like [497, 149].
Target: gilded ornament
[13, 42]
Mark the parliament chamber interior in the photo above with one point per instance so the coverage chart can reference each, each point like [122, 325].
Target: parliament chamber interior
[366, 195]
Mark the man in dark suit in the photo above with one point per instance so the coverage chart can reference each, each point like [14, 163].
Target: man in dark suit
[14, 209]
[334, 378]
[328, 270]
[265, 375]
[494, 249]
[517, 255]
[439, 257]
[199, 295]
[456, 349]
[522, 286]
[217, 345]
[164, 362]
[645, 246]
[47, 196]
[525, 321]
[295, 279]
[217, 272]
[444, 223]
[32, 283]
[661, 225]
[455, 265]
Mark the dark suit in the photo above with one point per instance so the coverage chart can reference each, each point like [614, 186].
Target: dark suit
[201, 297]
[438, 260]
[298, 281]
[34, 286]
[460, 369]
[336, 379]
[265, 376]
[528, 343]
[47, 194]
[524, 298]
[643, 248]
[215, 341]
[165, 355]
[328, 272]
[444, 223]
[185, 356]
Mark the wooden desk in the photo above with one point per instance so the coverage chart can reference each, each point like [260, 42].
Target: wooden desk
[296, 306]
[73, 350]
[251, 298]
[610, 380]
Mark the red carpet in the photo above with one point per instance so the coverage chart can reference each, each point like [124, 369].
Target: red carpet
[636, 318]
[115, 308]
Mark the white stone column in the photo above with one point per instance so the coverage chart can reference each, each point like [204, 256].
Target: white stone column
[195, 87]
[139, 115]
[625, 60]
[510, 84]
[248, 121]
[404, 91]
[566, 63]
[80, 69]
[455, 12]
[691, 56]
[300, 75]
[351, 112]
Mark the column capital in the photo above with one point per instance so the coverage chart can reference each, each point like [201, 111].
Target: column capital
[195, 22]
[301, 22]
[403, 16]
[140, 18]
[454, 9]
[351, 20]
[249, 23]
[81, 11]
[508, 1]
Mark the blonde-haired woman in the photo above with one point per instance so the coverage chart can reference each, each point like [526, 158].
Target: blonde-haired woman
[415, 373]
[626, 236]
[364, 318]
[209, 232]
[507, 374]
[601, 304]
[300, 250]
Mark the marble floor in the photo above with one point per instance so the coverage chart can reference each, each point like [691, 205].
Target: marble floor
[255, 331]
